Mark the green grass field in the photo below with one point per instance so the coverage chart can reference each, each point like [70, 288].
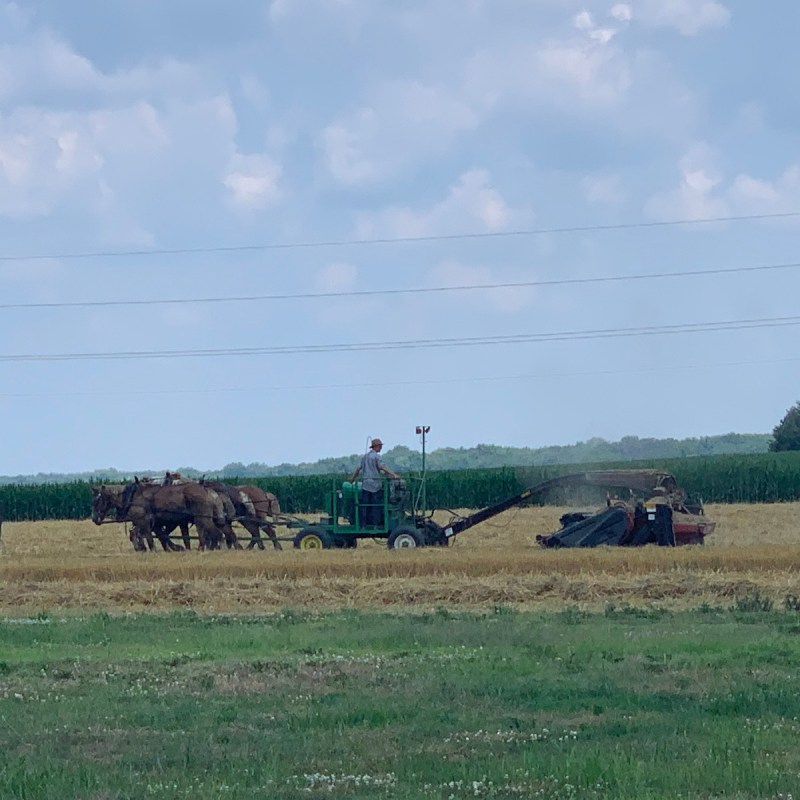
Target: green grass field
[629, 703]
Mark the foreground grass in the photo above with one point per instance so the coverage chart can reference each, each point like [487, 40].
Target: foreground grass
[625, 704]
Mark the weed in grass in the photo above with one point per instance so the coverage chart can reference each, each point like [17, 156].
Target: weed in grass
[753, 602]
[791, 602]
[616, 612]
[573, 616]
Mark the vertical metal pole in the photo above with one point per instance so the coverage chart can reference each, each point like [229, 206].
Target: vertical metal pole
[424, 474]
[423, 492]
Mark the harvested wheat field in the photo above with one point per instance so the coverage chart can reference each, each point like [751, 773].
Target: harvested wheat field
[77, 566]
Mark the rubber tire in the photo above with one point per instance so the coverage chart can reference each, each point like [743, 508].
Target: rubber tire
[405, 538]
[312, 539]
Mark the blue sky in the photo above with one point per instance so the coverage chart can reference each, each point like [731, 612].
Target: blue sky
[192, 150]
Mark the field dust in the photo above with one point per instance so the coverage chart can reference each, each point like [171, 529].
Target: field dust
[79, 567]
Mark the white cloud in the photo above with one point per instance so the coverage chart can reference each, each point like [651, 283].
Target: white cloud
[405, 123]
[579, 71]
[688, 17]
[755, 195]
[42, 155]
[621, 12]
[472, 204]
[590, 68]
[252, 182]
[44, 62]
[602, 35]
[704, 192]
[102, 138]
[344, 147]
[698, 196]
[47, 156]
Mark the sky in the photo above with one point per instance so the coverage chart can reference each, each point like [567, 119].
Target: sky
[266, 231]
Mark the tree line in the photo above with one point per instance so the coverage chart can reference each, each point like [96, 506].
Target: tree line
[482, 456]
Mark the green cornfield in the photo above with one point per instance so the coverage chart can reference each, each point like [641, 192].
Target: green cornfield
[759, 478]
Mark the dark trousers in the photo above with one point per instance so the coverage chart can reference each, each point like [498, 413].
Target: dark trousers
[371, 504]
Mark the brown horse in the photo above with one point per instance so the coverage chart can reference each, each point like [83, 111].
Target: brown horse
[176, 479]
[229, 515]
[152, 508]
[109, 497]
[162, 531]
[255, 509]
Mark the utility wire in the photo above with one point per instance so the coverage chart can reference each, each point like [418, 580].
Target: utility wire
[408, 291]
[666, 367]
[390, 240]
[414, 344]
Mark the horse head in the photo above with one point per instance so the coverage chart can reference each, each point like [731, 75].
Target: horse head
[100, 504]
[104, 498]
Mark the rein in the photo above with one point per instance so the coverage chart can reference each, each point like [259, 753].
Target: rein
[128, 494]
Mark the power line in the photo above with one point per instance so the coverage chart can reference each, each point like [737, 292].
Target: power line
[389, 240]
[414, 344]
[667, 367]
[407, 291]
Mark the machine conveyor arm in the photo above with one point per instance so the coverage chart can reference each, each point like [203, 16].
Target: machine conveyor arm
[645, 480]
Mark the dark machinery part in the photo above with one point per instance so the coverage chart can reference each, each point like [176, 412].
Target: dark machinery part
[616, 526]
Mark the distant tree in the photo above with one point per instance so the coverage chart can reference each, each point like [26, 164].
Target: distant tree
[233, 470]
[786, 435]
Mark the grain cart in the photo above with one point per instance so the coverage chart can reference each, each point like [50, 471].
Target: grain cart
[342, 524]
[662, 517]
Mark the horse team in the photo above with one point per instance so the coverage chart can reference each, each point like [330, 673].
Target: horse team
[156, 508]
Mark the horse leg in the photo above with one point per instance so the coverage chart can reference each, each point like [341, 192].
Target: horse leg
[269, 529]
[187, 542]
[231, 539]
[137, 540]
[254, 530]
[210, 536]
[163, 533]
[164, 539]
[146, 536]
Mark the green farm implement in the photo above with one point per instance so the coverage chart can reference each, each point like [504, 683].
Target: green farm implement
[654, 511]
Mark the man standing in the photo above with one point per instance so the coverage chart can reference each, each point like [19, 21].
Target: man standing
[371, 499]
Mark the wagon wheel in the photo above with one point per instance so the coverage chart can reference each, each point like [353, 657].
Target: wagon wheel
[404, 539]
[312, 539]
